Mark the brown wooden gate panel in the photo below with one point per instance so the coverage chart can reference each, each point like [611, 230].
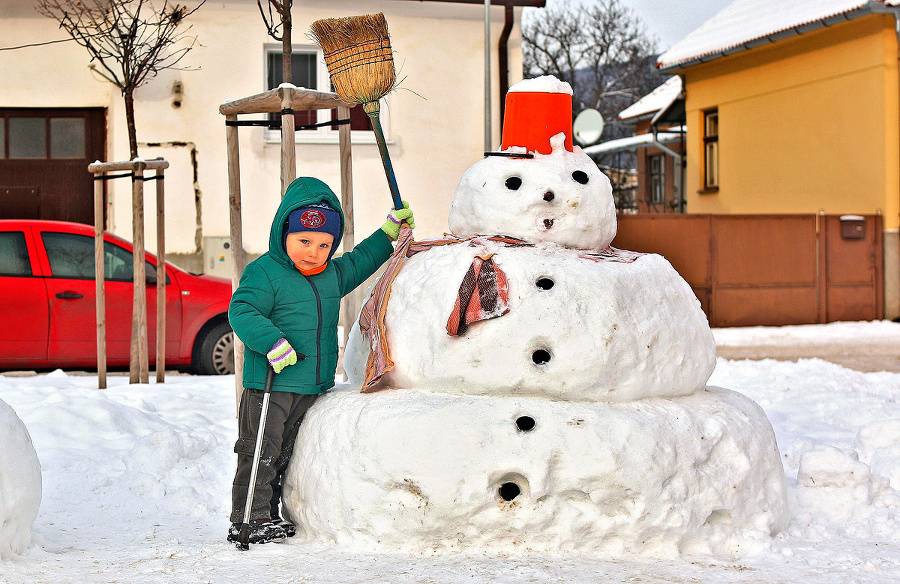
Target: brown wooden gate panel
[752, 270]
[765, 269]
[853, 268]
[685, 239]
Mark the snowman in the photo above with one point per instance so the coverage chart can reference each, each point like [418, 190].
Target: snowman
[547, 392]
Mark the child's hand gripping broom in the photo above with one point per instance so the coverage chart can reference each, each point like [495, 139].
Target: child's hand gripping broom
[359, 59]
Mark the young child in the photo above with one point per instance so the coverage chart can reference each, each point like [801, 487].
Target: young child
[286, 313]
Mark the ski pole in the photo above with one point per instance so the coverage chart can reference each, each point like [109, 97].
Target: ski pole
[243, 543]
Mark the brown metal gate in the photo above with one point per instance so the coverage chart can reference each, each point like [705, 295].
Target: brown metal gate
[770, 269]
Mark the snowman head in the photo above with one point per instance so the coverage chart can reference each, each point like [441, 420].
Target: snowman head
[555, 195]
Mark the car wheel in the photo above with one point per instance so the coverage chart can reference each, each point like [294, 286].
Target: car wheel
[216, 352]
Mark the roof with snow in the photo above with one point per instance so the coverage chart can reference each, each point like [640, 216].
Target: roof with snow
[660, 98]
[632, 143]
[745, 24]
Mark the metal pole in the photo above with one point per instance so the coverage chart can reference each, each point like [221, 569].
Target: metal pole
[487, 75]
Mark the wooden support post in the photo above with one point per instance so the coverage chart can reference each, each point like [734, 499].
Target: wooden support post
[237, 242]
[288, 147]
[100, 279]
[160, 276]
[139, 371]
[350, 302]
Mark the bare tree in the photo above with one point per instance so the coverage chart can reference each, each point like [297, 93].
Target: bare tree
[129, 41]
[280, 30]
[601, 49]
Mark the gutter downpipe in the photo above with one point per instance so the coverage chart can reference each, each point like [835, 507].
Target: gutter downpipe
[503, 57]
[879, 8]
[488, 138]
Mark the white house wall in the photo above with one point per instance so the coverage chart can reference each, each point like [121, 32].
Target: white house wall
[434, 121]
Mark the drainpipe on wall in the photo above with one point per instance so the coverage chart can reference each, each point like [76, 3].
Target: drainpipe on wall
[879, 8]
[503, 58]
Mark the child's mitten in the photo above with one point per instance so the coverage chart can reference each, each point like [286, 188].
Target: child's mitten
[397, 216]
[281, 355]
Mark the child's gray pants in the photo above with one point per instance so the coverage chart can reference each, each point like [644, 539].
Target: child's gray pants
[286, 412]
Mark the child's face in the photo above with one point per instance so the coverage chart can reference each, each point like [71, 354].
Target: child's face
[309, 249]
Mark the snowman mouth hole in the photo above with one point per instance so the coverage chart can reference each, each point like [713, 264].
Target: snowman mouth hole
[525, 423]
[541, 357]
[548, 223]
[544, 283]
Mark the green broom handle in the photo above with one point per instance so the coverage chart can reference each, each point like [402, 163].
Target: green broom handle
[372, 109]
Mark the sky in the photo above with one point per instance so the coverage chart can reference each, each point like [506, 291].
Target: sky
[669, 20]
[672, 20]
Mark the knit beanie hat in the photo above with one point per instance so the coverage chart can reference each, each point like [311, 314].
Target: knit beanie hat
[320, 217]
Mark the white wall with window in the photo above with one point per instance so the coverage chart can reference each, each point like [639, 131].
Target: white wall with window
[433, 121]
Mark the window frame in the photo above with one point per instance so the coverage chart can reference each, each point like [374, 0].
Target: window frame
[322, 134]
[657, 182]
[711, 165]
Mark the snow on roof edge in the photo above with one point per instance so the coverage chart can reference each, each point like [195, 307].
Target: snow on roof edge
[778, 31]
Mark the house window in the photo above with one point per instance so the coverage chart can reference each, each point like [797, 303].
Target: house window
[657, 165]
[308, 71]
[30, 136]
[711, 150]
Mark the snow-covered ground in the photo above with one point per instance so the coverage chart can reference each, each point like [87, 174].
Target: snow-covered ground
[136, 485]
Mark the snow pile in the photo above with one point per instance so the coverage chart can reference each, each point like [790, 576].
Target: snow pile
[561, 197]
[600, 343]
[20, 483]
[406, 470]
[100, 518]
[542, 84]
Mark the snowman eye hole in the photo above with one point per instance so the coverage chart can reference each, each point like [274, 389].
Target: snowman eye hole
[513, 183]
[580, 177]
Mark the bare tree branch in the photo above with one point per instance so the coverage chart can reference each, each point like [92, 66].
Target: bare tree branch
[602, 50]
[129, 41]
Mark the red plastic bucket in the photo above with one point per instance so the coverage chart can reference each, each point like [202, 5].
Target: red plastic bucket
[532, 118]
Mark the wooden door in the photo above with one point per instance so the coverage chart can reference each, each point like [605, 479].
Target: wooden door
[44, 154]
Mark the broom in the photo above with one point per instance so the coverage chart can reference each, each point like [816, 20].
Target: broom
[359, 59]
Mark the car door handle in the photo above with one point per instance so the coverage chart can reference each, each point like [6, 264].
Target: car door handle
[69, 295]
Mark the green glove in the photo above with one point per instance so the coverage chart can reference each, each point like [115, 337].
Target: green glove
[281, 355]
[395, 218]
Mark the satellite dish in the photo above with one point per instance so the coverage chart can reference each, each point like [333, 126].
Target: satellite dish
[587, 127]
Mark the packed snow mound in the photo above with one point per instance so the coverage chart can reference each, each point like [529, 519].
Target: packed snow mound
[561, 197]
[577, 329]
[20, 483]
[417, 471]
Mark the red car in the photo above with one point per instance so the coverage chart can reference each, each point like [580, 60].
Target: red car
[48, 303]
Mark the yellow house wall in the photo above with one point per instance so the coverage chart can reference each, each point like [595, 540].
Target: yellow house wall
[806, 124]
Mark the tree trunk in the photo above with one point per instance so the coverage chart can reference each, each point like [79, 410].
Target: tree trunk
[286, 48]
[128, 94]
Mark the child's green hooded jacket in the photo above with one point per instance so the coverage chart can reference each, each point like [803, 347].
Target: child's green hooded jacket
[274, 300]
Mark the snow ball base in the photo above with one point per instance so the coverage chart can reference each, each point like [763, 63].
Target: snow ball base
[608, 331]
[417, 471]
[20, 483]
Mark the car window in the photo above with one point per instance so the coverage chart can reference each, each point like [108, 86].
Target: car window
[72, 256]
[14, 254]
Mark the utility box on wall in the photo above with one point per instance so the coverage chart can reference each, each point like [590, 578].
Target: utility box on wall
[217, 256]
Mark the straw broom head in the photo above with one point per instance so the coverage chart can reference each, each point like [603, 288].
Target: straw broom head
[358, 56]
